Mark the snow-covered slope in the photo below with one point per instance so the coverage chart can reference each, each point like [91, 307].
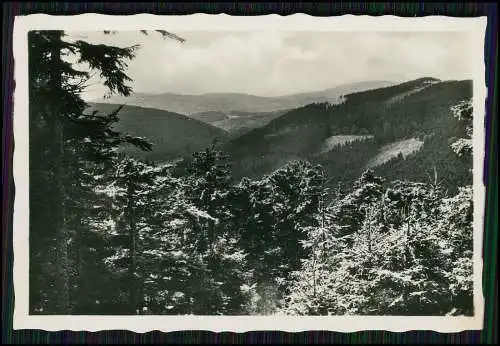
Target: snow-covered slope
[340, 140]
[406, 147]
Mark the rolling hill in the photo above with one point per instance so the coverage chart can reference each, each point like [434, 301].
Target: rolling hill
[173, 135]
[230, 102]
[400, 131]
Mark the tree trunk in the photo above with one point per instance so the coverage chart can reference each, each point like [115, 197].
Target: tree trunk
[62, 303]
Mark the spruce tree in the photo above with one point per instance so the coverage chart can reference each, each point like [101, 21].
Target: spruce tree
[59, 124]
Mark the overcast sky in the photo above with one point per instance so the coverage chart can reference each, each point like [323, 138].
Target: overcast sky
[279, 63]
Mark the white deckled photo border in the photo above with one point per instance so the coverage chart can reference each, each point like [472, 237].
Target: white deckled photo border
[222, 22]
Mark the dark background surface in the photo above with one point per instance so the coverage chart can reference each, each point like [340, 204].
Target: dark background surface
[490, 284]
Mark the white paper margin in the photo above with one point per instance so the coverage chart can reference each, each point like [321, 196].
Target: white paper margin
[223, 22]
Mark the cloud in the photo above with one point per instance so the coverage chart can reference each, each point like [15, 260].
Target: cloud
[276, 63]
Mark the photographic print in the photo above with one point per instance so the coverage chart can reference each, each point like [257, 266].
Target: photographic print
[227, 173]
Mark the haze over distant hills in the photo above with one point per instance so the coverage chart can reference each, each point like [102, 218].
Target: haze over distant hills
[230, 102]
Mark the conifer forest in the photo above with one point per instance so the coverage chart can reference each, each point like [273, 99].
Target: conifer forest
[258, 222]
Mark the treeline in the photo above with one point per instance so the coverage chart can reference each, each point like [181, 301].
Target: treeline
[111, 234]
[157, 243]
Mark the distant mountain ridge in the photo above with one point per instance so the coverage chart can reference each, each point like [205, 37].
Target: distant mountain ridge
[231, 102]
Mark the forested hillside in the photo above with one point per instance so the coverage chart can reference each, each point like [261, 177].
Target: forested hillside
[114, 234]
[172, 135]
[413, 118]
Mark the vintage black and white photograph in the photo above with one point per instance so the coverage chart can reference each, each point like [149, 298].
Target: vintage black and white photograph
[257, 172]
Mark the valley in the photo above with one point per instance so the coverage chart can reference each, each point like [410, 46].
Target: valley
[237, 123]
[396, 130]
[227, 110]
